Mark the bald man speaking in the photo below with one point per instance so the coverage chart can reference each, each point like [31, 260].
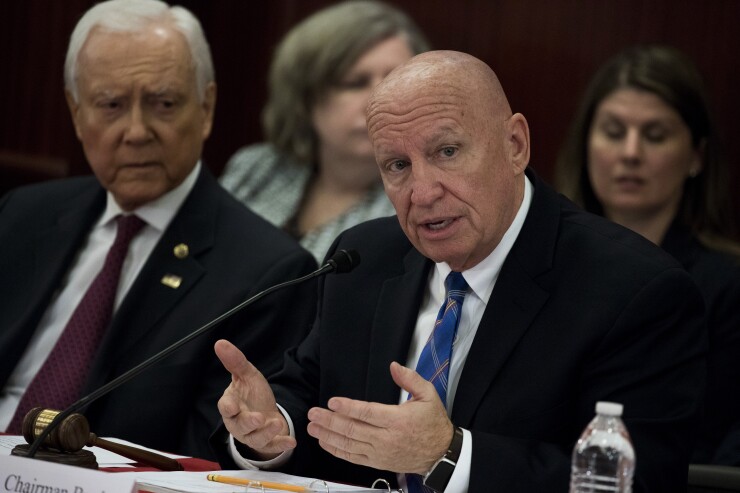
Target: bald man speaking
[468, 350]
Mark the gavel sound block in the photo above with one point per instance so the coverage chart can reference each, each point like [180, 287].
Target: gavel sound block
[64, 444]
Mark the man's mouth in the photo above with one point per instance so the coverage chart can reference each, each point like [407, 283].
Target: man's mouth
[437, 225]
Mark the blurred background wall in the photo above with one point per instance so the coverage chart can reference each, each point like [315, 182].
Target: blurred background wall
[544, 52]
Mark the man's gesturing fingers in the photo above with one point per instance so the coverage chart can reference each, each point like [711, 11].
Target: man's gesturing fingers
[248, 405]
[402, 438]
[234, 360]
[417, 386]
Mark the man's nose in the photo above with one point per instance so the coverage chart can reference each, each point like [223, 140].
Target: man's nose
[426, 187]
[138, 130]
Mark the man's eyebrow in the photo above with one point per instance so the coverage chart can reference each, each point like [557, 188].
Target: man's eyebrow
[163, 91]
[104, 91]
[445, 133]
[385, 150]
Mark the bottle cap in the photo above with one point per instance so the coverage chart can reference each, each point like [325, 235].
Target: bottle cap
[609, 408]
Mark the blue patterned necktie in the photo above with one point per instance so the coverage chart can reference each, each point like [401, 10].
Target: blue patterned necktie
[434, 362]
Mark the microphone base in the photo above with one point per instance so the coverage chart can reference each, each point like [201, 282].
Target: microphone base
[81, 458]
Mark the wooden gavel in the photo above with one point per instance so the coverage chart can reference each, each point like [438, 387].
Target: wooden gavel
[73, 433]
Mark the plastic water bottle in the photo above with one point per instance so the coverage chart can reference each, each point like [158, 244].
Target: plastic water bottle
[603, 458]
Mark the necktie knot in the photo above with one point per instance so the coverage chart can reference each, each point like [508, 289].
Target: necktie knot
[127, 228]
[456, 286]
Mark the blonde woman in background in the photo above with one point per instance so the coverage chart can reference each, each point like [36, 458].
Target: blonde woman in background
[316, 174]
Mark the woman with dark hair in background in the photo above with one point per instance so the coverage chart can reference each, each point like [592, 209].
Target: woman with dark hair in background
[316, 176]
[643, 152]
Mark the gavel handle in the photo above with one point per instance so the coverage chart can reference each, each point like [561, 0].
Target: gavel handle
[143, 456]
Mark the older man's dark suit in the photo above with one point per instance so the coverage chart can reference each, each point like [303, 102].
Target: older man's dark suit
[233, 254]
[583, 310]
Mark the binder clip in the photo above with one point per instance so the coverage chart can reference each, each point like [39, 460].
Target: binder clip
[385, 483]
[320, 482]
[256, 485]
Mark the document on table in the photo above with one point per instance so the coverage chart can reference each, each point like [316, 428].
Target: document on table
[197, 482]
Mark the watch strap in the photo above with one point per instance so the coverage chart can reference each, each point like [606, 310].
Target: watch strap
[440, 474]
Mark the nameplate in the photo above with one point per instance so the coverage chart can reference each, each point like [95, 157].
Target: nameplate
[23, 475]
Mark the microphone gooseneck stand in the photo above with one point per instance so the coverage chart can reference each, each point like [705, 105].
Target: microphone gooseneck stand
[341, 262]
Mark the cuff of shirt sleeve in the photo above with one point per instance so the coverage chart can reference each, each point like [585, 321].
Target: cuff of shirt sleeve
[460, 479]
[244, 463]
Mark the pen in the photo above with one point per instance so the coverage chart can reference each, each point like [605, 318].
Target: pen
[252, 482]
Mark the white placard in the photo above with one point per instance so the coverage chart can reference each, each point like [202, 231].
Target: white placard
[30, 475]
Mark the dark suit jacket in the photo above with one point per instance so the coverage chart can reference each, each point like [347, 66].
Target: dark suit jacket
[233, 255]
[583, 310]
[718, 278]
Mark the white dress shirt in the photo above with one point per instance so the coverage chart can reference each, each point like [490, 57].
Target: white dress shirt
[157, 214]
[481, 279]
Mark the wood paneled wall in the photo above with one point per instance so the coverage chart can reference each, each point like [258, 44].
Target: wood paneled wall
[544, 52]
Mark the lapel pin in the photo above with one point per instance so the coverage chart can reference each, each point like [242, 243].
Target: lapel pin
[171, 280]
[181, 251]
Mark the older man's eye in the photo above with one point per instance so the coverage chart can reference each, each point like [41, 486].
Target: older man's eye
[165, 104]
[449, 151]
[397, 165]
[108, 104]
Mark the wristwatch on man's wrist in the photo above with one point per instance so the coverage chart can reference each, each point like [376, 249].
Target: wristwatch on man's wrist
[441, 472]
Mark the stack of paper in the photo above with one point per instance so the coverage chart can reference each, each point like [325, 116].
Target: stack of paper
[197, 482]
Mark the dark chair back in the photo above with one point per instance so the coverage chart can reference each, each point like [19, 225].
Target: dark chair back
[18, 169]
[705, 478]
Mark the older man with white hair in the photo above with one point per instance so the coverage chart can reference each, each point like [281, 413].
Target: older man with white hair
[101, 272]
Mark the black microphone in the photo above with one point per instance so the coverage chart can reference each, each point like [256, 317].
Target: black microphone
[341, 262]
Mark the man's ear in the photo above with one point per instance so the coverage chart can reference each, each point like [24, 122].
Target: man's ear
[517, 134]
[74, 111]
[209, 108]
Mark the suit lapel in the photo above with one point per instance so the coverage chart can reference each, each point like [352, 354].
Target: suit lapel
[514, 304]
[55, 248]
[393, 326]
[54, 251]
[151, 298]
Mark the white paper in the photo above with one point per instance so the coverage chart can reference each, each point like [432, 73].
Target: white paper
[196, 482]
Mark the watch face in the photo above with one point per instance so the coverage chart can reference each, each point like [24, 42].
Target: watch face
[440, 475]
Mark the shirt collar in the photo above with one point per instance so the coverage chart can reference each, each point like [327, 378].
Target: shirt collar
[482, 276]
[159, 212]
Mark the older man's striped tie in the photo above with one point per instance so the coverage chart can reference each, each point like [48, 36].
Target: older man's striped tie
[434, 362]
